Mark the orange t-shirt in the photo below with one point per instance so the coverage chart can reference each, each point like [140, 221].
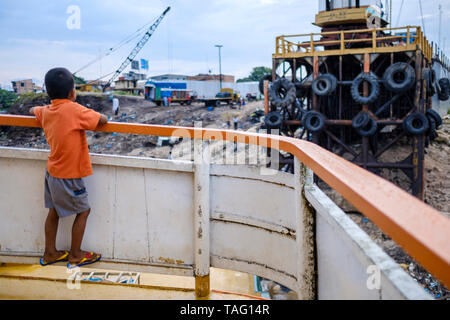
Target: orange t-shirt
[64, 123]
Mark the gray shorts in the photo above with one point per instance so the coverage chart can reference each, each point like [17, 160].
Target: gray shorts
[66, 196]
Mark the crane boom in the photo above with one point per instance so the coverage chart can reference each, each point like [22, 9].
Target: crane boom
[137, 48]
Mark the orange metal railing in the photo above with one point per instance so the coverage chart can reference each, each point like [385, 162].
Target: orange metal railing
[422, 231]
[408, 38]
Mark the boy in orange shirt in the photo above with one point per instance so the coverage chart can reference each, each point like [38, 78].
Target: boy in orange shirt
[64, 122]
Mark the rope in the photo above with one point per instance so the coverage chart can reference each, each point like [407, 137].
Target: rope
[399, 13]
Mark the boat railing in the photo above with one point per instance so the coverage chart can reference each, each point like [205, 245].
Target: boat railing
[420, 230]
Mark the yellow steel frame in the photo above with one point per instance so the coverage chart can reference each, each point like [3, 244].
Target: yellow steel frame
[305, 45]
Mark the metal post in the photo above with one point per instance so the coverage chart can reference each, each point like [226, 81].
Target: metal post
[304, 234]
[220, 64]
[418, 141]
[365, 140]
[201, 219]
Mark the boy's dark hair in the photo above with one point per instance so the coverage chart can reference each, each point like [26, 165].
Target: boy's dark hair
[59, 83]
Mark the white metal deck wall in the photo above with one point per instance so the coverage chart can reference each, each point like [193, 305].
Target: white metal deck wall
[145, 217]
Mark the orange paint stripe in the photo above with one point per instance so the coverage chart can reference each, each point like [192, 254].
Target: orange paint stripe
[423, 232]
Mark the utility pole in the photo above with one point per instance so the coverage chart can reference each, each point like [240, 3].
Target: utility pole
[220, 64]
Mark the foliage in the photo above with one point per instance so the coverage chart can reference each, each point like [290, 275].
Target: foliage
[256, 74]
[7, 98]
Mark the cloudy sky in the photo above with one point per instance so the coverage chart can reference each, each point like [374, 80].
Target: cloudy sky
[34, 35]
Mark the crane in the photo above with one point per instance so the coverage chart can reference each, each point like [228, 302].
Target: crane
[137, 48]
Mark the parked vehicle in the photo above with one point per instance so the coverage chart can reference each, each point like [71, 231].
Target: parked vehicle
[226, 95]
[161, 93]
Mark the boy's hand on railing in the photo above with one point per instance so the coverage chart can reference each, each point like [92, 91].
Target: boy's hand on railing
[103, 120]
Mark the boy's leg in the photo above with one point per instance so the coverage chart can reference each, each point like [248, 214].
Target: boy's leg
[51, 228]
[79, 225]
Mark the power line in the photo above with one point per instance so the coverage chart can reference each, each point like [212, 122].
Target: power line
[421, 13]
[399, 13]
[138, 33]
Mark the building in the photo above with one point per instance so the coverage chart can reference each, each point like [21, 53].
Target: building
[129, 82]
[169, 77]
[134, 76]
[25, 86]
[211, 77]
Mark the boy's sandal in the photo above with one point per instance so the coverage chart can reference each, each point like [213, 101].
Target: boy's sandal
[89, 258]
[60, 259]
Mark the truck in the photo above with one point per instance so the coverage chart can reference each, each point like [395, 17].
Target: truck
[226, 95]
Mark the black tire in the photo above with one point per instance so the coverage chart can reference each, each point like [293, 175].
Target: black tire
[437, 118]
[429, 75]
[273, 120]
[282, 93]
[369, 129]
[374, 88]
[444, 84]
[432, 133]
[324, 85]
[399, 77]
[416, 124]
[261, 82]
[361, 120]
[313, 121]
[443, 97]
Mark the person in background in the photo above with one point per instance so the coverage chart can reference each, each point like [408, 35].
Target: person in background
[115, 105]
[235, 122]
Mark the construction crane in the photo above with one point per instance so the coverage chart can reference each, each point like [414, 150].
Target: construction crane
[136, 49]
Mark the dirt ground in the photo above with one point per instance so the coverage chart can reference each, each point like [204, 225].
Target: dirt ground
[437, 195]
[138, 110]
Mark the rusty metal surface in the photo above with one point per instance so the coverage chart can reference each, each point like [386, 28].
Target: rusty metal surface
[422, 231]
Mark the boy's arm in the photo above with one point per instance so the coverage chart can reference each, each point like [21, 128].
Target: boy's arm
[37, 112]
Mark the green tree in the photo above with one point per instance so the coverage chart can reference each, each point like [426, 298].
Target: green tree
[7, 98]
[256, 74]
[79, 80]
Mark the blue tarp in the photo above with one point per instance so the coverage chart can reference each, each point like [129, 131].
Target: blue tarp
[168, 85]
[412, 36]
